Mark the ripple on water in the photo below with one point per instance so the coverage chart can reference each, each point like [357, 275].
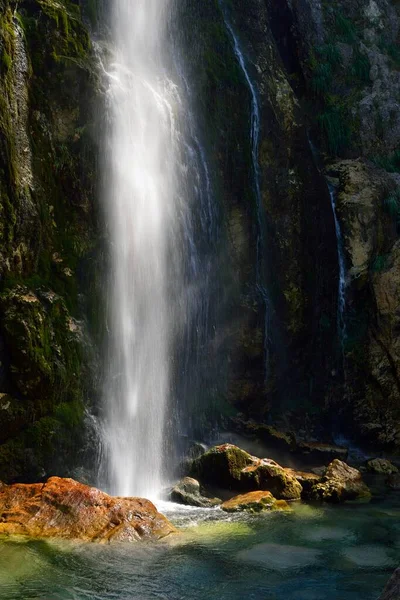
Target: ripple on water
[280, 557]
[374, 556]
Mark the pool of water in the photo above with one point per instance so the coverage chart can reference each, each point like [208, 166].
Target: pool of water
[314, 553]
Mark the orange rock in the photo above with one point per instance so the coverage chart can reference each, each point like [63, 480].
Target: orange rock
[64, 508]
[254, 502]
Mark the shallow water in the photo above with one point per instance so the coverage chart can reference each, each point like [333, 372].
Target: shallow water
[314, 553]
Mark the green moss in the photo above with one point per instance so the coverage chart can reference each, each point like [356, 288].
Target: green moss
[334, 125]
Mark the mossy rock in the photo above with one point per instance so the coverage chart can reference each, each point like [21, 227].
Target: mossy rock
[255, 502]
[269, 476]
[45, 354]
[222, 466]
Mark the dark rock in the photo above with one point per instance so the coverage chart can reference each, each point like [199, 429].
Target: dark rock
[317, 453]
[188, 491]
[392, 590]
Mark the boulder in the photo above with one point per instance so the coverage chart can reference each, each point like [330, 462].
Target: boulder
[392, 590]
[187, 491]
[339, 484]
[381, 466]
[266, 474]
[222, 466]
[230, 467]
[64, 508]
[305, 479]
[254, 502]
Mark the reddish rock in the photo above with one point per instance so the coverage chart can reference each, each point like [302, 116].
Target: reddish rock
[254, 502]
[64, 508]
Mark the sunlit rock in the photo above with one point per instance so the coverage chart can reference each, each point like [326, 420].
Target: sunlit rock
[230, 467]
[254, 502]
[339, 484]
[64, 508]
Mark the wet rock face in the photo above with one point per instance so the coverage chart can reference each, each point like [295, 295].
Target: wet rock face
[48, 228]
[188, 491]
[64, 508]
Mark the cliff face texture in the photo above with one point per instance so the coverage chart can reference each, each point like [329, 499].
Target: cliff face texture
[48, 231]
[326, 77]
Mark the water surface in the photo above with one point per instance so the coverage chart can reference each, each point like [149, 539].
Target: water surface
[315, 553]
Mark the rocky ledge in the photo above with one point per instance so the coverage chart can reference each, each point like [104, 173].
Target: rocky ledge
[262, 483]
[64, 508]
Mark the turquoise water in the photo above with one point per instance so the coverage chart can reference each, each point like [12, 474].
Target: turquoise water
[314, 553]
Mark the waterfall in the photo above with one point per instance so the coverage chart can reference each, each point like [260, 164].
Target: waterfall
[159, 210]
[255, 123]
[141, 209]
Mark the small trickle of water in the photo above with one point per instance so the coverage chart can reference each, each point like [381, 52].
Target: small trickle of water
[342, 269]
[255, 122]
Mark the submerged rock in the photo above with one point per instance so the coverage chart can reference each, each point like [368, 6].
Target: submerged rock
[254, 502]
[382, 466]
[339, 484]
[392, 590]
[64, 508]
[187, 491]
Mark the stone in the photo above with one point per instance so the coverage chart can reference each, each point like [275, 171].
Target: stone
[382, 466]
[64, 508]
[187, 491]
[305, 479]
[266, 474]
[340, 484]
[254, 502]
[230, 467]
[222, 466]
[392, 590]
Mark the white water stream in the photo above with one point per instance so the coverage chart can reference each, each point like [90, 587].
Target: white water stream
[142, 208]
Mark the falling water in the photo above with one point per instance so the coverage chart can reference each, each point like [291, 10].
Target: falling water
[342, 268]
[255, 139]
[142, 211]
[162, 222]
